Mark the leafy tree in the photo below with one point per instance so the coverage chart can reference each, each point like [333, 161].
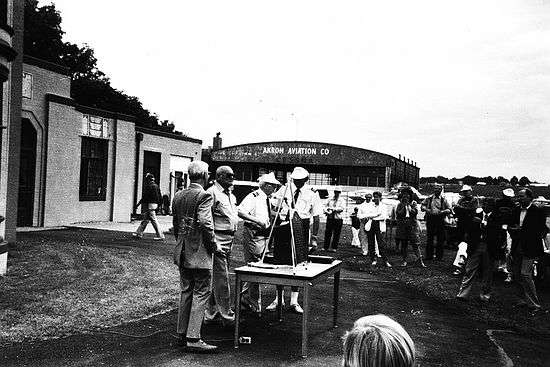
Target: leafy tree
[514, 181]
[501, 179]
[90, 86]
[524, 181]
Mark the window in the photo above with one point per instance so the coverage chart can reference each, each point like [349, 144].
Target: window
[98, 127]
[3, 12]
[27, 85]
[319, 179]
[93, 169]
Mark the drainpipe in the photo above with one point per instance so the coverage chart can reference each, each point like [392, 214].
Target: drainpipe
[139, 139]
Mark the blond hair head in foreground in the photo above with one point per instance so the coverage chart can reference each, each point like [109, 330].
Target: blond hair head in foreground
[378, 341]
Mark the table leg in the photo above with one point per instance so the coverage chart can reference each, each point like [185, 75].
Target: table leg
[280, 303]
[238, 286]
[305, 316]
[335, 298]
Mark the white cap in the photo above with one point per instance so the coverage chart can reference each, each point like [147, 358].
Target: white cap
[299, 173]
[337, 188]
[269, 178]
[508, 192]
[466, 188]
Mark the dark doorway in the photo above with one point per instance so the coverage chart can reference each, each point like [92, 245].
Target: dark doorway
[27, 176]
[151, 164]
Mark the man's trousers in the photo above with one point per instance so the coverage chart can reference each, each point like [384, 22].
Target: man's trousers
[332, 231]
[435, 227]
[479, 260]
[195, 290]
[219, 303]
[253, 247]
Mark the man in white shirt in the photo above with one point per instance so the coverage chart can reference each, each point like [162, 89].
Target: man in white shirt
[333, 211]
[365, 209]
[306, 202]
[376, 225]
[257, 213]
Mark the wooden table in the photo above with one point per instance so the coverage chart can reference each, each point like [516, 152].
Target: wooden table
[304, 276]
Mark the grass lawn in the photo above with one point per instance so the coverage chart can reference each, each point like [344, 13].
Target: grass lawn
[74, 281]
[71, 281]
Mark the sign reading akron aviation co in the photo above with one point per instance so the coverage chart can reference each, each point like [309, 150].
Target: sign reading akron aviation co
[301, 153]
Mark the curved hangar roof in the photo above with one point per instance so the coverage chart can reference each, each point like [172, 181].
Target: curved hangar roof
[301, 152]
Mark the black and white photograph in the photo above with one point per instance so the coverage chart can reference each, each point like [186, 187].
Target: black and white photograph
[275, 183]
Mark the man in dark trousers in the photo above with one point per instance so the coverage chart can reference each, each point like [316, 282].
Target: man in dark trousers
[527, 231]
[436, 208]
[480, 252]
[333, 210]
[194, 232]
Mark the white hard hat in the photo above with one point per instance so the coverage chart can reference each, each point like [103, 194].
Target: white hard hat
[466, 188]
[269, 178]
[508, 192]
[299, 173]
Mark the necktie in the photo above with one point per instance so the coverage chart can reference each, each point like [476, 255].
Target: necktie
[296, 194]
[268, 207]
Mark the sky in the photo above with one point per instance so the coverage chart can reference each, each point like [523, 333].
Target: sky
[460, 87]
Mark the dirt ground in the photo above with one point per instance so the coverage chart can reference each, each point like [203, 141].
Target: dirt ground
[446, 333]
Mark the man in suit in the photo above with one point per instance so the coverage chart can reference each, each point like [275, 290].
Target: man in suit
[528, 230]
[194, 232]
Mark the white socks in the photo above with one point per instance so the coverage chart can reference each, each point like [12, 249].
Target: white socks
[293, 298]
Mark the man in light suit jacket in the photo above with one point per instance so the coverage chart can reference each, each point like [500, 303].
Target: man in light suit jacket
[194, 232]
[528, 230]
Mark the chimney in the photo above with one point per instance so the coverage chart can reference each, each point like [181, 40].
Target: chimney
[217, 142]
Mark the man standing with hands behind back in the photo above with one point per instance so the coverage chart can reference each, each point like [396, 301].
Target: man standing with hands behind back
[224, 213]
[194, 232]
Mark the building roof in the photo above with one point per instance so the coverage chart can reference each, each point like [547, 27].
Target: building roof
[303, 152]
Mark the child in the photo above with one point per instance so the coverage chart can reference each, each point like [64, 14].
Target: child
[378, 341]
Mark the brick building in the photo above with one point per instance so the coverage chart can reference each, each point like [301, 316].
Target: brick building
[81, 164]
[11, 46]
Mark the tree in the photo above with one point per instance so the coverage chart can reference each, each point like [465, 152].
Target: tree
[501, 180]
[514, 181]
[90, 86]
[524, 181]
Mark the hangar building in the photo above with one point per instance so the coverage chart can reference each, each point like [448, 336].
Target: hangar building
[329, 164]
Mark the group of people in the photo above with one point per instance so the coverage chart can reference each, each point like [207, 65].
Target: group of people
[501, 231]
[205, 221]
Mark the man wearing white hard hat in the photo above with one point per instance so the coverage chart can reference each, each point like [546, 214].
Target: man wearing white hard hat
[257, 213]
[333, 211]
[306, 202]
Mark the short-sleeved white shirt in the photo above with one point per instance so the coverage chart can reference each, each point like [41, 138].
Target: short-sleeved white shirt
[307, 206]
[255, 204]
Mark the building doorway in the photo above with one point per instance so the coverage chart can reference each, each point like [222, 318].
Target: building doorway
[27, 175]
[151, 164]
